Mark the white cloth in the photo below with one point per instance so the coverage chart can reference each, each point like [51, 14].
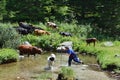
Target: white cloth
[27, 43]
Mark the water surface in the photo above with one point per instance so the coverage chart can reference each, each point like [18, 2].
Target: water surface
[32, 67]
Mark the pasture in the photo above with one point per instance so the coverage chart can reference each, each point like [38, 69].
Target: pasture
[105, 54]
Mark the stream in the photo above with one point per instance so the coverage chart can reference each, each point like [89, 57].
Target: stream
[30, 68]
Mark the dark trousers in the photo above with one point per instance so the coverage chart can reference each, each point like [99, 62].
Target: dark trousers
[73, 57]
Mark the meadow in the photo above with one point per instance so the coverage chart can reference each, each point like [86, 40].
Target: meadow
[105, 55]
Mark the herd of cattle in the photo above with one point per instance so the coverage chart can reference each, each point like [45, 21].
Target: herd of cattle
[25, 29]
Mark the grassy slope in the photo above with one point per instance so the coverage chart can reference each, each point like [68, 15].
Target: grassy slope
[105, 55]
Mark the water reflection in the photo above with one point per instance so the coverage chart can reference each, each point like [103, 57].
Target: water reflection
[91, 61]
[23, 68]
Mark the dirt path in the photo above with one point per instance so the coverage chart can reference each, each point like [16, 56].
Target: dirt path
[83, 72]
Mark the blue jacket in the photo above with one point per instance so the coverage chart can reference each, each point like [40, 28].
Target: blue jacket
[70, 51]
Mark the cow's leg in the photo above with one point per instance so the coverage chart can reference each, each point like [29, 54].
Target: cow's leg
[87, 44]
[94, 43]
[34, 55]
[20, 53]
[28, 55]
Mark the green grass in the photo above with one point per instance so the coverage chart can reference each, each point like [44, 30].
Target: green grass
[45, 76]
[8, 55]
[68, 73]
[104, 55]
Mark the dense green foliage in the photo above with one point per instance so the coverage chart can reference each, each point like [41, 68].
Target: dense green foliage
[2, 9]
[105, 55]
[8, 55]
[54, 39]
[67, 72]
[104, 16]
[9, 38]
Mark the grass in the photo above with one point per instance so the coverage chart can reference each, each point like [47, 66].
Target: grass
[68, 73]
[8, 55]
[105, 55]
[45, 76]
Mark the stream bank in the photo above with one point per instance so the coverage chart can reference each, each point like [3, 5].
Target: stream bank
[32, 68]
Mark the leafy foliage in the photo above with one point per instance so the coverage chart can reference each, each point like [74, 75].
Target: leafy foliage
[9, 38]
[8, 55]
[102, 15]
[67, 72]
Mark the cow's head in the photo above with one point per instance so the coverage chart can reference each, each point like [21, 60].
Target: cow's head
[37, 50]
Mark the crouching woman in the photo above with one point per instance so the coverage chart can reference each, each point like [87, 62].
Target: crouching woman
[72, 56]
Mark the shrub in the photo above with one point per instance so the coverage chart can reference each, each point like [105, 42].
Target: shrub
[8, 55]
[67, 73]
[9, 38]
[31, 39]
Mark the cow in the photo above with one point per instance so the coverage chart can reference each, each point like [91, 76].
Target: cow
[29, 27]
[40, 32]
[29, 50]
[91, 40]
[34, 27]
[21, 30]
[24, 25]
[65, 34]
[52, 25]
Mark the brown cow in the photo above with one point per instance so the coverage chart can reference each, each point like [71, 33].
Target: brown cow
[91, 40]
[52, 25]
[41, 32]
[29, 50]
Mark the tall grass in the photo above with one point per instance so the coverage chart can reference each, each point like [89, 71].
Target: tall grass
[9, 38]
[105, 55]
[8, 55]
[80, 31]
[68, 73]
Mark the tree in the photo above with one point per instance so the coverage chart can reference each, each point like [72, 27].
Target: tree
[35, 10]
[109, 12]
[28, 10]
[83, 9]
[2, 9]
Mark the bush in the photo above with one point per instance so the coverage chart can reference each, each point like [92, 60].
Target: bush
[8, 55]
[67, 73]
[46, 42]
[9, 38]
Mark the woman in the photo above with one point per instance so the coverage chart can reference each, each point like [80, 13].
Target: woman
[72, 56]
